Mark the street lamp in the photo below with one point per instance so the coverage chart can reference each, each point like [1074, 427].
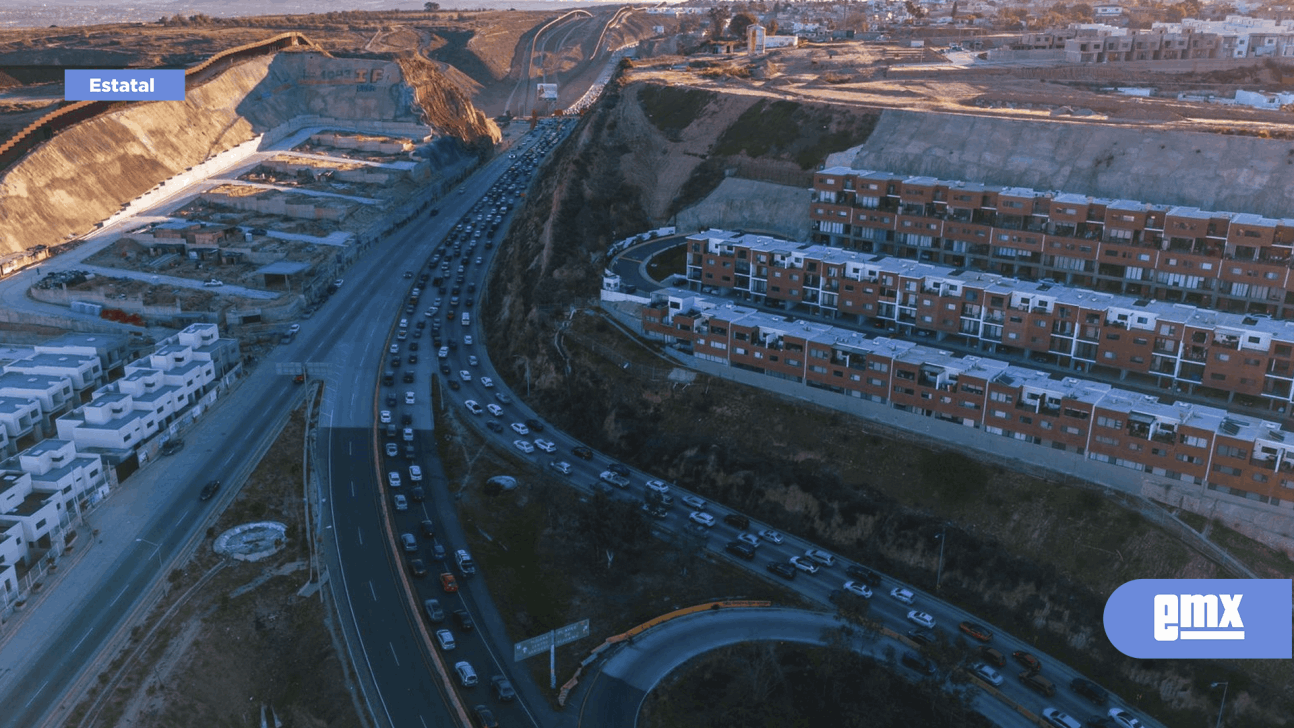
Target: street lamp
[939, 574]
[1224, 702]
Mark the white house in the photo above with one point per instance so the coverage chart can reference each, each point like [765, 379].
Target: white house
[85, 371]
[58, 469]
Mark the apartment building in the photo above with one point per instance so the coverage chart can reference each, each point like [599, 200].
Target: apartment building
[51, 392]
[1172, 346]
[1229, 261]
[84, 371]
[1190, 443]
[29, 516]
[112, 350]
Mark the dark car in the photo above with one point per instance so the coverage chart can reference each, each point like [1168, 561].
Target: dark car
[1030, 662]
[484, 717]
[975, 631]
[417, 568]
[209, 490]
[454, 385]
[921, 664]
[922, 636]
[583, 452]
[503, 689]
[740, 549]
[428, 529]
[390, 400]
[444, 369]
[616, 468]
[406, 419]
[865, 575]
[463, 620]
[993, 657]
[408, 377]
[437, 551]
[172, 446]
[417, 494]
[782, 569]
[538, 426]
[1089, 690]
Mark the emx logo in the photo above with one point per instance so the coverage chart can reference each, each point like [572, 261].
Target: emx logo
[1201, 618]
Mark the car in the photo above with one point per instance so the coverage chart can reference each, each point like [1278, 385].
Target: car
[464, 375]
[987, 674]
[921, 664]
[454, 385]
[384, 417]
[580, 451]
[1059, 719]
[428, 529]
[1029, 661]
[390, 400]
[494, 426]
[658, 486]
[902, 595]
[337, 283]
[976, 631]
[395, 349]
[463, 620]
[417, 568]
[921, 619]
[433, 610]
[538, 426]
[524, 446]
[520, 429]
[692, 501]
[503, 689]
[859, 588]
[466, 675]
[804, 564]
[993, 657]
[494, 409]
[473, 407]
[408, 434]
[409, 398]
[545, 445]
[1089, 690]
[560, 466]
[1124, 719]
[736, 548]
[172, 446]
[413, 359]
[504, 397]
[209, 490]
[485, 717]
[701, 518]
[408, 274]
[749, 538]
[820, 556]
[616, 468]
[465, 564]
[437, 550]
[607, 476]
[213, 283]
[393, 479]
[1037, 683]
[921, 636]
[467, 340]
[415, 474]
[401, 503]
[867, 576]
[771, 536]
[294, 328]
[472, 360]
[448, 583]
[781, 568]
[392, 449]
[417, 494]
[446, 639]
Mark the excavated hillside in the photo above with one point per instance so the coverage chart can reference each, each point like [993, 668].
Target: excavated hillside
[84, 174]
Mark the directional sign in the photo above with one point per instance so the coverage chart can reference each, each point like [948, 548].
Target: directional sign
[549, 640]
[570, 633]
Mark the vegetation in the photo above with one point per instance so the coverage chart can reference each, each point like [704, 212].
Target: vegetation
[672, 109]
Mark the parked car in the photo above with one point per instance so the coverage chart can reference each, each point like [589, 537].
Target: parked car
[172, 446]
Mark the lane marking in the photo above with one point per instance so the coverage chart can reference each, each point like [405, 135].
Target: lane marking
[359, 533]
[33, 695]
[372, 591]
[393, 655]
[114, 601]
[78, 644]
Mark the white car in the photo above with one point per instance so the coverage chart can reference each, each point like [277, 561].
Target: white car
[337, 283]
[415, 474]
[464, 375]
[392, 449]
[545, 445]
[520, 428]
[472, 361]
[749, 538]
[409, 398]
[692, 501]
[401, 503]
[467, 340]
[903, 595]
[820, 556]
[445, 638]
[487, 382]
[921, 619]
[1124, 718]
[560, 466]
[804, 564]
[702, 518]
[659, 486]
[523, 446]
[494, 409]
[213, 283]
[859, 588]
[393, 479]
[384, 417]
[395, 349]
[987, 674]
[466, 675]
[294, 328]
[473, 407]
[771, 536]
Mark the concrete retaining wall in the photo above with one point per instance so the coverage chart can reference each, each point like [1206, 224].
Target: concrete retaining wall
[752, 206]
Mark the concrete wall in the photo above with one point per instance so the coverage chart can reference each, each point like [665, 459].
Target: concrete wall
[1210, 171]
[753, 206]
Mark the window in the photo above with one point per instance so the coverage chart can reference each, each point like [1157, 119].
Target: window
[1110, 422]
[1000, 397]
[1191, 441]
[1233, 452]
[1106, 440]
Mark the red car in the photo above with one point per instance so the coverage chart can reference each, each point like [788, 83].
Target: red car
[1029, 661]
[448, 582]
[976, 631]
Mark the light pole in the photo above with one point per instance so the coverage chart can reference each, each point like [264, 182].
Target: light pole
[157, 550]
[939, 573]
[1224, 702]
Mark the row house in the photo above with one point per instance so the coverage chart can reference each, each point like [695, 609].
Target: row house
[83, 371]
[112, 350]
[51, 395]
[1170, 345]
[29, 521]
[1181, 441]
[1237, 262]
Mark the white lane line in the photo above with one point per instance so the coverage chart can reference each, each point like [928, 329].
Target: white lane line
[33, 695]
[359, 533]
[114, 601]
[78, 644]
[372, 591]
[393, 655]
[352, 489]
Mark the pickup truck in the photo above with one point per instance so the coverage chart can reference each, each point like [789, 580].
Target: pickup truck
[618, 481]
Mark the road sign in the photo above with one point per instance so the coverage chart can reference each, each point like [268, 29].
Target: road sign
[558, 637]
[570, 633]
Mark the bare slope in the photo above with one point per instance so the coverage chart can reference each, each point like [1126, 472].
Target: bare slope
[84, 174]
[1211, 171]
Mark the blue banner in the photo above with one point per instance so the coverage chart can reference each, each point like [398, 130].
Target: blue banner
[1202, 618]
[117, 84]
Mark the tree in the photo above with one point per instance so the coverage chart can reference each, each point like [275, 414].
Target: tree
[718, 20]
[431, 7]
[740, 22]
[953, 14]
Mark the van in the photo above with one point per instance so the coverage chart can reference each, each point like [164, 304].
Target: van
[466, 320]
[1037, 683]
[737, 521]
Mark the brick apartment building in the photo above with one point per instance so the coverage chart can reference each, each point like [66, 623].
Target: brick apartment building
[1237, 455]
[1166, 345]
[1222, 260]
